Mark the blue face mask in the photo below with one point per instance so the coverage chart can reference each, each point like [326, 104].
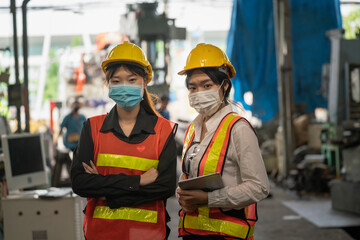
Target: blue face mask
[126, 96]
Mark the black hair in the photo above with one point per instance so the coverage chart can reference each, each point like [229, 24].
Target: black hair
[164, 98]
[218, 77]
[132, 67]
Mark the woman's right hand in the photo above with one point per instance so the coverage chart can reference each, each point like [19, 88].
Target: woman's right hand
[148, 177]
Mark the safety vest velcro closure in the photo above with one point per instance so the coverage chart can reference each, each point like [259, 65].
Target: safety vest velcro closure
[123, 161]
[126, 213]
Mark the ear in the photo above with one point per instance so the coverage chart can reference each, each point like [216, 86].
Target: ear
[225, 84]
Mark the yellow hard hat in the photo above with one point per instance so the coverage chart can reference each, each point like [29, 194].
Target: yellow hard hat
[128, 52]
[207, 55]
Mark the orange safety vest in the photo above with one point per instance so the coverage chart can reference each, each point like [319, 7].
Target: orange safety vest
[215, 221]
[113, 156]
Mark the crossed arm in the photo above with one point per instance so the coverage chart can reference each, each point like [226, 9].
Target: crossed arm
[146, 178]
[121, 189]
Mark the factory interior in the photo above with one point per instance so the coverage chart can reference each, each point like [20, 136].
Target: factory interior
[297, 82]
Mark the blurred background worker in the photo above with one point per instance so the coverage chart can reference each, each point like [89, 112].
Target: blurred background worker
[125, 163]
[73, 123]
[218, 141]
[162, 107]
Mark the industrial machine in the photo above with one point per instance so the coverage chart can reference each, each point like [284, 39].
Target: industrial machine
[80, 70]
[341, 135]
[153, 32]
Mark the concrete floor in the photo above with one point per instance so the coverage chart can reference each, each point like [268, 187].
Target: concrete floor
[276, 221]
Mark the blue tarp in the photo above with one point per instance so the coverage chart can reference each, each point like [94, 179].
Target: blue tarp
[251, 49]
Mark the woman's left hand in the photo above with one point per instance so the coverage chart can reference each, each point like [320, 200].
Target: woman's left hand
[90, 169]
[191, 198]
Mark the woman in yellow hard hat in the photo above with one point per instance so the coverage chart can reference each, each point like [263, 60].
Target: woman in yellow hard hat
[218, 141]
[125, 163]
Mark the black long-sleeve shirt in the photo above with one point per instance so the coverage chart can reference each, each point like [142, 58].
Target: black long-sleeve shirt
[123, 190]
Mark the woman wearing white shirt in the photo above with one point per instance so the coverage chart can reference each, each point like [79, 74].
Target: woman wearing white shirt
[218, 140]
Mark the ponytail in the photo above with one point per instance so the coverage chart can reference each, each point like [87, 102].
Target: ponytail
[148, 102]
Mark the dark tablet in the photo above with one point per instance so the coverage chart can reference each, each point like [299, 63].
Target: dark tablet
[209, 182]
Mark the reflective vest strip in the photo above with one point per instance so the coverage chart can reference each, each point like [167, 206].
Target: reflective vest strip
[216, 148]
[189, 135]
[123, 161]
[216, 225]
[211, 162]
[126, 213]
[188, 139]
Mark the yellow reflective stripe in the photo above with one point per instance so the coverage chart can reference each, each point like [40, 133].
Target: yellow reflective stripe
[187, 139]
[203, 222]
[204, 211]
[215, 150]
[123, 161]
[126, 213]
[216, 225]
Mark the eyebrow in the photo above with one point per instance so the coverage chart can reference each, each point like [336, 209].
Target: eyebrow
[128, 76]
[202, 82]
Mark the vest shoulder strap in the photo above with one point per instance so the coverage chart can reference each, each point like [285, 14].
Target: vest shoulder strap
[215, 154]
[96, 123]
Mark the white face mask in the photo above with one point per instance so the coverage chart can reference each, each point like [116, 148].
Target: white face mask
[205, 102]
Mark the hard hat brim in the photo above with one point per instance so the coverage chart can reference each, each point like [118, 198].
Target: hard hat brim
[109, 63]
[182, 72]
[231, 72]
[112, 64]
